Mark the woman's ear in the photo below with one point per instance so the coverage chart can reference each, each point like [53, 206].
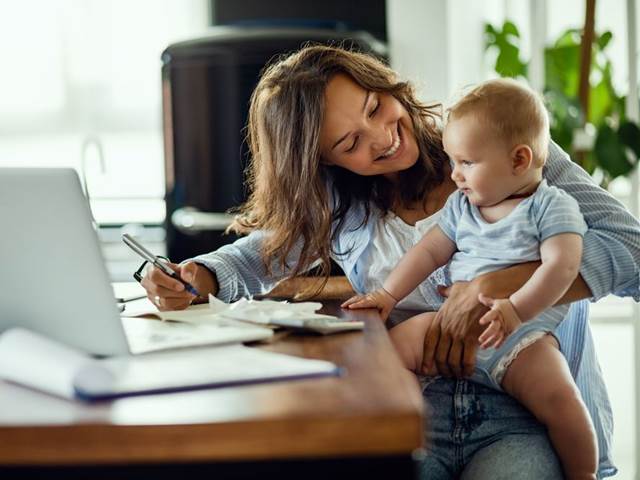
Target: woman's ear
[521, 158]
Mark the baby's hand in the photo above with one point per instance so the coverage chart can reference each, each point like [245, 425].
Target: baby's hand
[502, 320]
[380, 299]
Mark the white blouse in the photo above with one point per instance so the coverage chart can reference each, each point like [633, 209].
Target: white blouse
[391, 239]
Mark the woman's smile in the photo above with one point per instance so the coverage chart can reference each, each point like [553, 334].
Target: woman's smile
[396, 149]
[366, 132]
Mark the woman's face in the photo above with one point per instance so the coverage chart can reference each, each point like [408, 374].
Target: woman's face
[366, 132]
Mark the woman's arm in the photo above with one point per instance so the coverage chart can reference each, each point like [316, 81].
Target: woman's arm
[240, 270]
[611, 255]
[560, 256]
[452, 350]
[231, 272]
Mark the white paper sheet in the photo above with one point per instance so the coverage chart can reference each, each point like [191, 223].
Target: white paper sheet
[33, 360]
[38, 362]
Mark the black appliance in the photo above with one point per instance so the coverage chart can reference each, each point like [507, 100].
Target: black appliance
[206, 86]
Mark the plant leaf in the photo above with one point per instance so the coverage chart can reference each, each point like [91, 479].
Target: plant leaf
[562, 69]
[629, 134]
[601, 102]
[610, 152]
[603, 40]
[509, 28]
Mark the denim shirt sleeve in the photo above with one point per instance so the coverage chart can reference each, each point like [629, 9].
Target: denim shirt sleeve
[576, 343]
[240, 270]
[611, 252]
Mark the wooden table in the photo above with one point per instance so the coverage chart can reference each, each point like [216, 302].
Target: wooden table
[371, 416]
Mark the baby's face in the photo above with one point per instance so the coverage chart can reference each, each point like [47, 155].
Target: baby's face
[481, 163]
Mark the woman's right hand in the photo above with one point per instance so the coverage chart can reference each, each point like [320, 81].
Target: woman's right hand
[167, 293]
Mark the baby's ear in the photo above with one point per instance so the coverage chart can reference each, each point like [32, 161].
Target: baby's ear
[521, 158]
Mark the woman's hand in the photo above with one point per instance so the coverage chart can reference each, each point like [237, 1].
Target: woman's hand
[380, 299]
[169, 294]
[451, 341]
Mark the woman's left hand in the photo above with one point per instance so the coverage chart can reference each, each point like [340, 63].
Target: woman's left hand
[451, 341]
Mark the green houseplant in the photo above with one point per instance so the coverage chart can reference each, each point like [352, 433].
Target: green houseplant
[616, 147]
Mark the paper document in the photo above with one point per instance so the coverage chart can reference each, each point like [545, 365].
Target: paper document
[33, 360]
[148, 335]
[30, 359]
[301, 316]
[127, 291]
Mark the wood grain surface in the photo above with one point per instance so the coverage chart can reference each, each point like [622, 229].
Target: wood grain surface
[374, 409]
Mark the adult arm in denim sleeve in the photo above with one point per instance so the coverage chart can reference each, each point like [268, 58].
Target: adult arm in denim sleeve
[240, 270]
[611, 255]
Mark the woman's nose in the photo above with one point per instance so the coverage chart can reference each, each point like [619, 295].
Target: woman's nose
[382, 135]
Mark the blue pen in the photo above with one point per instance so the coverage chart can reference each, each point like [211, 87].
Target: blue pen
[156, 262]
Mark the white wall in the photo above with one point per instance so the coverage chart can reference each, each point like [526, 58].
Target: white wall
[438, 44]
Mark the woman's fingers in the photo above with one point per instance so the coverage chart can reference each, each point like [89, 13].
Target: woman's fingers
[165, 292]
[188, 272]
[469, 355]
[431, 338]
[156, 277]
[455, 358]
[442, 354]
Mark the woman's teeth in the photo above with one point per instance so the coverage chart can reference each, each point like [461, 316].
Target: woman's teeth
[393, 149]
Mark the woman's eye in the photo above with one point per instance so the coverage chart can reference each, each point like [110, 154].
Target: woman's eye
[352, 147]
[373, 112]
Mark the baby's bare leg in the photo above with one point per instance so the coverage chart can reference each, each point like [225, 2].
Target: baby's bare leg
[408, 338]
[540, 379]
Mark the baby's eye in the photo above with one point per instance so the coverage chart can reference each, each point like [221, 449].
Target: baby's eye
[466, 163]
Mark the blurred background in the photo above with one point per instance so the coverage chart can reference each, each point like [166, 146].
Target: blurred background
[147, 100]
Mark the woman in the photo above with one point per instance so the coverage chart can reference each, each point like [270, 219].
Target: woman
[347, 164]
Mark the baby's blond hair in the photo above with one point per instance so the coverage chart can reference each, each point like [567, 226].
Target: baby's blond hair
[513, 111]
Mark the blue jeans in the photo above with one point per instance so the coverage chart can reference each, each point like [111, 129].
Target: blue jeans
[476, 432]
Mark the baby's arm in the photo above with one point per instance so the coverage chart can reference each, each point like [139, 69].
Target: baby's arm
[432, 251]
[561, 256]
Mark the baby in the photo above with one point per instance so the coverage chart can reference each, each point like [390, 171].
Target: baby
[504, 213]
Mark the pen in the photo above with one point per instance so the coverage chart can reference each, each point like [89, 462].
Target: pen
[156, 262]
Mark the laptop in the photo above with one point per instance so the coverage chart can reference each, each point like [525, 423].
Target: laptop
[54, 279]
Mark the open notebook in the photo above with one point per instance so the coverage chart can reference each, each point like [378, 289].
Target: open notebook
[186, 328]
